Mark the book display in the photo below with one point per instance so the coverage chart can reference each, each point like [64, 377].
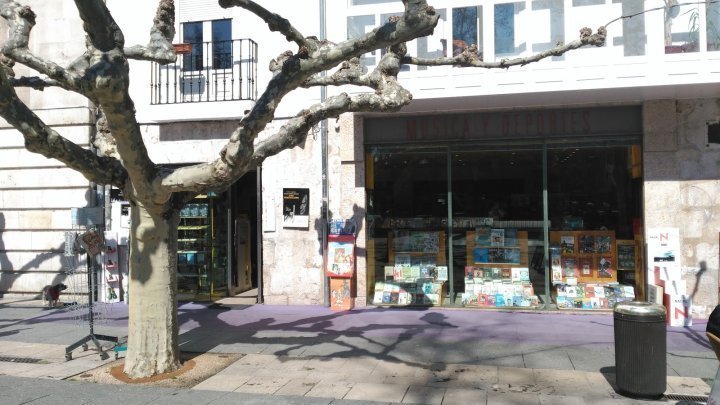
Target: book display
[418, 273]
[592, 296]
[588, 256]
[194, 248]
[497, 247]
[585, 267]
[499, 275]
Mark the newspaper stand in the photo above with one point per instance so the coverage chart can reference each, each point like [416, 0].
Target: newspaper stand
[341, 265]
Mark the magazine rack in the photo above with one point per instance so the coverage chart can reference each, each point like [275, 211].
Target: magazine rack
[92, 246]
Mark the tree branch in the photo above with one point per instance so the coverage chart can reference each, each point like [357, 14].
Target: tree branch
[274, 21]
[470, 58]
[389, 96]
[21, 20]
[160, 48]
[34, 82]
[102, 30]
[40, 138]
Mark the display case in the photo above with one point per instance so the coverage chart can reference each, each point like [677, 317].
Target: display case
[194, 247]
[417, 271]
[586, 271]
[497, 274]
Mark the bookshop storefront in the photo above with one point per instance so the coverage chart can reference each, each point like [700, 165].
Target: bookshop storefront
[517, 209]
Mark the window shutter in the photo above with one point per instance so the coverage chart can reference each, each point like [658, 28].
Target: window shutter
[201, 10]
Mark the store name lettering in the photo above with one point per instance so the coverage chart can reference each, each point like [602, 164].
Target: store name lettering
[507, 125]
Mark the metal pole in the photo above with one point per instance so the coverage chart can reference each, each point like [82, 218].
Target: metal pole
[546, 230]
[324, 146]
[258, 222]
[449, 239]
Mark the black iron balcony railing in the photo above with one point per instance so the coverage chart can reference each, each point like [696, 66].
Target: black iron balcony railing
[210, 71]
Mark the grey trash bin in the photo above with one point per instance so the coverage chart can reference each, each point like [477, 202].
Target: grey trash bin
[640, 349]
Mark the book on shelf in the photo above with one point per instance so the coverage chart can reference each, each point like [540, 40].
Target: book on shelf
[506, 273]
[479, 273]
[481, 255]
[496, 273]
[497, 237]
[442, 273]
[567, 244]
[515, 275]
[414, 272]
[482, 236]
[524, 274]
[587, 244]
[605, 269]
[585, 266]
[569, 266]
[511, 237]
[378, 297]
[389, 273]
[603, 244]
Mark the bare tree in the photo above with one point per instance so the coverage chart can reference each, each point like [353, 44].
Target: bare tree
[156, 193]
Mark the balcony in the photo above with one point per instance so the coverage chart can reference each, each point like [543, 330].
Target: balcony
[208, 71]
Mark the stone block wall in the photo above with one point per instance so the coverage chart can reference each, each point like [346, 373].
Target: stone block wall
[682, 189]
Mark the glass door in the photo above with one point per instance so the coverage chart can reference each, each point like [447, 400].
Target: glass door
[497, 218]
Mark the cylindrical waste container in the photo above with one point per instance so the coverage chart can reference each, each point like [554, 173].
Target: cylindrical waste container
[640, 349]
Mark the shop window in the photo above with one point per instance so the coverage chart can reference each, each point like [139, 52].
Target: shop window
[476, 234]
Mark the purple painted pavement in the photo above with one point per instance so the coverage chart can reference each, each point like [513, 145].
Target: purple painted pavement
[446, 325]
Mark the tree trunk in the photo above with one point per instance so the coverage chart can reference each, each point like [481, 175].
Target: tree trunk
[152, 346]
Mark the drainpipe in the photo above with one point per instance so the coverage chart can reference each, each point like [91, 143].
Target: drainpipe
[324, 146]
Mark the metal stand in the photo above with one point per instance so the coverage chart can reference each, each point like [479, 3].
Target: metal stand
[92, 336]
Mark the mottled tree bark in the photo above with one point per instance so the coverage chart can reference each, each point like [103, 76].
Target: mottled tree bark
[153, 330]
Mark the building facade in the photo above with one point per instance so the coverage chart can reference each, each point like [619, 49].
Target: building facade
[574, 182]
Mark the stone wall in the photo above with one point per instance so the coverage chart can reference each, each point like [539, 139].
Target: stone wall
[36, 193]
[682, 189]
[292, 257]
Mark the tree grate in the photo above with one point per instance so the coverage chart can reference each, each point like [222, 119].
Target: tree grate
[699, 399]
[12, 359]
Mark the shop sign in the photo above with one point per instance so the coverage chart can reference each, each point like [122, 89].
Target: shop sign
[296, 207]
[506, 124]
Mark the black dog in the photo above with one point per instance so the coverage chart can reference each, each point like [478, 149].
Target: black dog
[51, 294]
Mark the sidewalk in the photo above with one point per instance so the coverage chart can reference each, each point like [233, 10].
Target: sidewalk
[310, 354]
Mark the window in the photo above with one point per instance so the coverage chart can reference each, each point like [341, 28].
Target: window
[220, 32]
[466, 28]
[222, 45]
[504, 28]
[193, 34]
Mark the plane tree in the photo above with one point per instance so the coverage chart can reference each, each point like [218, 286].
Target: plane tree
[157, 193]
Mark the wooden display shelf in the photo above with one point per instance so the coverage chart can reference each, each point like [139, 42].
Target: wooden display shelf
[586, 263]
[521, 245]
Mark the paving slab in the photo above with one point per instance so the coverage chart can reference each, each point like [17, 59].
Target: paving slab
[298, 387]
[330, 389]
[424, 395]
[377, 392]
[462, 396]
[262, 385]
[222, 382]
